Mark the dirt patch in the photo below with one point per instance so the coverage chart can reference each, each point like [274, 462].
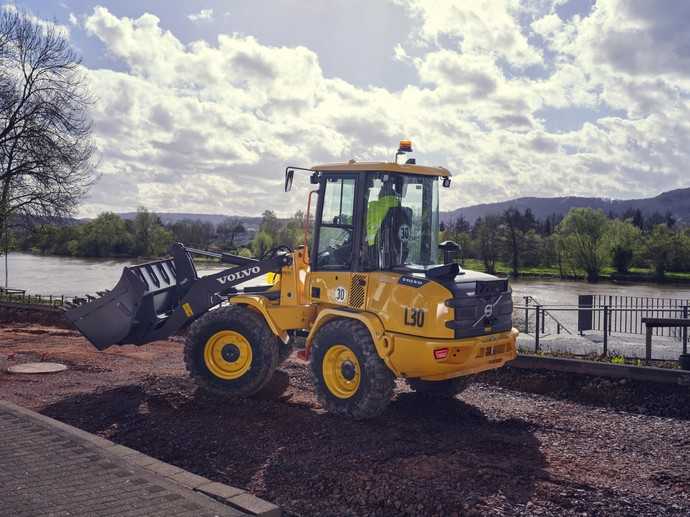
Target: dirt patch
[13, 313]
[647, 398]
[496, 450]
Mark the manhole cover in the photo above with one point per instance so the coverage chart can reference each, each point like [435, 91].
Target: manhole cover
[37, 368]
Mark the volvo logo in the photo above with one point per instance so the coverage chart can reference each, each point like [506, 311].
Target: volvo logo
[239, 275]
[488, 311]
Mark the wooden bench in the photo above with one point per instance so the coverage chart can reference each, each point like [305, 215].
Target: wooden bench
[652, 323]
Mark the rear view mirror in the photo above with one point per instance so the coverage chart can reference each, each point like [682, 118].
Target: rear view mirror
[289, 176]
[442, 226]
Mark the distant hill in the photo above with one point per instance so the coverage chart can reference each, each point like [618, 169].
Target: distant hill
[215, 219]
[675, 201]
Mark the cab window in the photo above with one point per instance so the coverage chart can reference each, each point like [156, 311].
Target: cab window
[336, 230]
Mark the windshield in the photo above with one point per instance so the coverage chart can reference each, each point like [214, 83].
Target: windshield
[401, 220]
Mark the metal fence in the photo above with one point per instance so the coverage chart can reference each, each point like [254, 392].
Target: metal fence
[629, 311]
[19, 296]
[542, 320]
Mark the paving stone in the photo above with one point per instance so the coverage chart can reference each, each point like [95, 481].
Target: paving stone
[219, 490]
[252, 504]
[54, 471]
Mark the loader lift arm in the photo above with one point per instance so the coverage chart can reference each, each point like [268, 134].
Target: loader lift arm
[152, 301]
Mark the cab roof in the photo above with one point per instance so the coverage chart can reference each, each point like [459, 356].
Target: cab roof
[405, 168]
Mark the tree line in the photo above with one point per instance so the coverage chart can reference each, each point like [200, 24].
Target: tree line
[109, 235]
[583, 243]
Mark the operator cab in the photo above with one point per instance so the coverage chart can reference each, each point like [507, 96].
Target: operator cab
[376, 216]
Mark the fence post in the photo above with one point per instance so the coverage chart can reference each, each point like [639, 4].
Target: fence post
[606, 330]
[536, 329]
[648, 345]
[685, 331]
[543, 321]
[527, 298]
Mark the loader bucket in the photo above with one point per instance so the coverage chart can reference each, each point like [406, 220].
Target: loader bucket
[139, 304]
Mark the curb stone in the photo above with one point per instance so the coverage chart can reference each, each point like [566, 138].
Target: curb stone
[599, 369]
[232, 496]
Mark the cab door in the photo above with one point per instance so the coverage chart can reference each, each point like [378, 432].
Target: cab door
[337, 232]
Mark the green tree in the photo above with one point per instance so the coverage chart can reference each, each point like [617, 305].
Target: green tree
[622, 241]
[261, 244]
[488, 241]
[149, 236]
[160, 240]
[661, 249]
[270, 225]
[534, 250]
[105, 236]
[581, 235]
[292, 233]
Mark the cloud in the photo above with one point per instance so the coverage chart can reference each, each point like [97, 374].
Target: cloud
[487, 27]
[209, 126]
[204, 15]
[638, 37]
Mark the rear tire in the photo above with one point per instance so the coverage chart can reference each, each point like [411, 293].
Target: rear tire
[349, 376]
[443, 389]
[231, 351]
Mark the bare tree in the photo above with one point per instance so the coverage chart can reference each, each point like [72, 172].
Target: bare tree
[45, 145]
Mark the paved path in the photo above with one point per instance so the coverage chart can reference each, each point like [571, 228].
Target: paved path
[664, 348]
[48, 468]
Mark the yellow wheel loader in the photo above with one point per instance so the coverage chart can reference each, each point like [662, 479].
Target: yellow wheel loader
[371, 295]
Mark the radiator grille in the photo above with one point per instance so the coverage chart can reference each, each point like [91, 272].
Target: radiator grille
[358, 291]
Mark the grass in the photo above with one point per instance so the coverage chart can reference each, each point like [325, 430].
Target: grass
[643, 274]
[613, 358]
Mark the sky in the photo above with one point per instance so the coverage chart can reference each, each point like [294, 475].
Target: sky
[200, 105]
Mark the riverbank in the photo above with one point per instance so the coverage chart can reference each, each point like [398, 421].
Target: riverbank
[635, 275]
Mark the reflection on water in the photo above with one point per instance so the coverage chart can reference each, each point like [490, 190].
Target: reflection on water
[75, 276]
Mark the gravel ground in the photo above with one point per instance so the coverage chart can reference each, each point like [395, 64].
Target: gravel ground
[514, 443]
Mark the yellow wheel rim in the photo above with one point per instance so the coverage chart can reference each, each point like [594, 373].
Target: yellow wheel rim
[228, 354]
[341, 371]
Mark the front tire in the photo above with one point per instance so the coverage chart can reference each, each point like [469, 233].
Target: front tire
[231, 351]
[443, 389]
[349, 376]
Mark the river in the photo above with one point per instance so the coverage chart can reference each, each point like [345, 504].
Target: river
[51, 275]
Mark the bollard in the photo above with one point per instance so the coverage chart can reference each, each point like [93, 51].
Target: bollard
[527, 298]
[648, 345]
[543, 321]
[606, 330]
[685, 331]
[536, 329]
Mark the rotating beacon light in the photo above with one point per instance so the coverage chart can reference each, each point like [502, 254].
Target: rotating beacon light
[404, 147]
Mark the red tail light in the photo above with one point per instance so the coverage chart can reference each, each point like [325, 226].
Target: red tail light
[440, 353]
